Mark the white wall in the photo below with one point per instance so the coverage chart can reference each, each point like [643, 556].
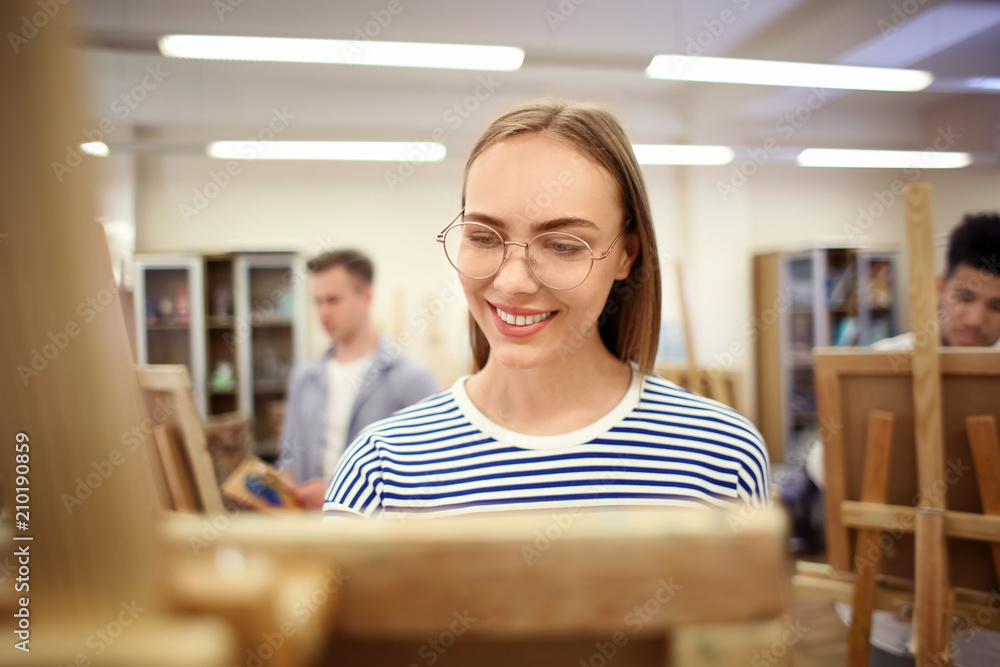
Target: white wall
[312, 206]
[784, 207]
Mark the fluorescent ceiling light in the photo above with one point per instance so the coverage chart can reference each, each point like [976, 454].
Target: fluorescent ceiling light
[984, 82]
[343, 52]
[838, 157]
[694, 155]
[382, 151]
[774, 73]
[96, 148]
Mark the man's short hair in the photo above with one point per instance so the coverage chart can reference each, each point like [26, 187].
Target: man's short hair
[976, 242]
[354, 262]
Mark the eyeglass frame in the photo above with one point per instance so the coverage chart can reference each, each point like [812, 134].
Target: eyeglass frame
[506, 252]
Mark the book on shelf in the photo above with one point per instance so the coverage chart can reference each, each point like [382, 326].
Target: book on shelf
[847, 331]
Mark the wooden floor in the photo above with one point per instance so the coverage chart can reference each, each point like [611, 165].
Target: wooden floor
[824, 636]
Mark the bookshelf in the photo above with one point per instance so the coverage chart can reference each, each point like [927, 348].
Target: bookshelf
[220, 334]
[270, 307]
[168, 315]
[817, 297]
[236, 320]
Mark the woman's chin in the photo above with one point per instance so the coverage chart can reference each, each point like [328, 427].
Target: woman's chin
[519, 357]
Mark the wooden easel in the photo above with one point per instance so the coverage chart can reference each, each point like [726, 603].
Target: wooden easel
[932, 608]
[851, 383]
[627, 588]
[84, 564]
[185, 462]
[723, 385]
[926, 589]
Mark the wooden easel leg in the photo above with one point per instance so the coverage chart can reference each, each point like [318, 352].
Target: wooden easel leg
[868, 552]
[930, 630]
[985, 447]
[931, 633]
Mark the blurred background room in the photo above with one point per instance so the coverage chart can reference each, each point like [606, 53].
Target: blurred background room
[768, 247]
[204, 246]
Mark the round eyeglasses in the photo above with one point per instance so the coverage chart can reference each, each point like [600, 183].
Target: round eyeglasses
[558, 260]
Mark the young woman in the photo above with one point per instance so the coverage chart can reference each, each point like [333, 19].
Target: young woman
[556, 253]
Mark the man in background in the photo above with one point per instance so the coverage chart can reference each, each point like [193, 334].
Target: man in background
[969, 292]
[357, 381]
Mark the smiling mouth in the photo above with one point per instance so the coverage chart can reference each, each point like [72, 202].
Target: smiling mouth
[522, 320]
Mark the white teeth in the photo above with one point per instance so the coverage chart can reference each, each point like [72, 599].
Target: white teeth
[522, 320]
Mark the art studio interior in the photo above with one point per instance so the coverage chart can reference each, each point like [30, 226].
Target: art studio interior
[542, 332]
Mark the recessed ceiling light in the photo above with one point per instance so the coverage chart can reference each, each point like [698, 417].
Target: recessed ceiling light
[775, 73]
[380, 151]
[342, 52]
[843, 157]
[653, 154]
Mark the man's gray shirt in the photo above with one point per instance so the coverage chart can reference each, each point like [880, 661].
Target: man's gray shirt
[391, 383]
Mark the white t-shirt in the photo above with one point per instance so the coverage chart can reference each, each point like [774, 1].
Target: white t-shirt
[344, 379]
[903, 342]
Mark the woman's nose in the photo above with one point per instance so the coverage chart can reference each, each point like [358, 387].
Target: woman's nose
[515, 276]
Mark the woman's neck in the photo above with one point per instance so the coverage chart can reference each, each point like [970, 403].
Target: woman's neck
[559, 396]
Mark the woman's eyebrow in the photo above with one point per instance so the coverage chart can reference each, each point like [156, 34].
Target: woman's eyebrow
[471, 216]
[557, 223]
[536, 227]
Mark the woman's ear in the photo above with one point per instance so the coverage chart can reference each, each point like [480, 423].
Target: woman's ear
[631, 245]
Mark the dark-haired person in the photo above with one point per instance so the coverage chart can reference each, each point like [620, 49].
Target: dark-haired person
[555, 250]
[357, 381]
[968, 315]
[969, 292]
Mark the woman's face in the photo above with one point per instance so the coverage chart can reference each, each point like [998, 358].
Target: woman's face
[523, 186]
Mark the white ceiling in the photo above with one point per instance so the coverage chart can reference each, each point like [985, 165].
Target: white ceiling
[597, 52]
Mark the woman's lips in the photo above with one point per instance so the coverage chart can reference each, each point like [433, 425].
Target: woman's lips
[522, 318]
[519, 322]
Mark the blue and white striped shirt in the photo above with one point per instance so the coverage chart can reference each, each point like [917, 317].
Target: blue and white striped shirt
[660, 446]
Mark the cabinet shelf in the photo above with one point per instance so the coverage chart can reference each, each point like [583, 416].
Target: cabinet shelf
[273, 324]
[856, 305]
[272, 302]
[168, 327]
[220, 295]
[268, 387]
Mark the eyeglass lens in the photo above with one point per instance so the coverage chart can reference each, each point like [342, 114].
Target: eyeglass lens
[561, 261]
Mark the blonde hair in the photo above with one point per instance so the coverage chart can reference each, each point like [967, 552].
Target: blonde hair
[629, 324]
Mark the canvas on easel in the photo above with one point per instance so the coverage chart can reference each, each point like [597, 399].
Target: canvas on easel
[257, 485]
[179, 438]
[851, 382]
